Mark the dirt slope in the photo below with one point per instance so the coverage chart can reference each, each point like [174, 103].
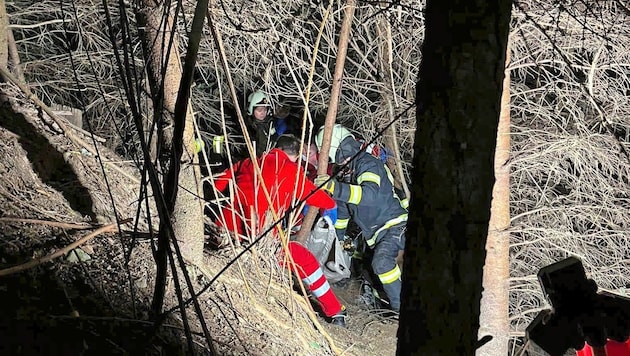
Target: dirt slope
[100, 303]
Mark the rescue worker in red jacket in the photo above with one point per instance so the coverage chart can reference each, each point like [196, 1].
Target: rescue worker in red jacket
[282, 178]
[364, 191]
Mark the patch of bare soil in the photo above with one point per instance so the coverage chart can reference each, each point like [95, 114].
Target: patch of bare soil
[96, 299]
[371, 330]
[258, 302]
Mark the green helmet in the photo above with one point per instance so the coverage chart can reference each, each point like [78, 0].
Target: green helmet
[257, 98]
[339, 134]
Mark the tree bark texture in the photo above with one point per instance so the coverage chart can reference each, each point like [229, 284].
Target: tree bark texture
[495, 301]
[14, 55]
[4, 31]
[160, 45]
[458, 105]
[165, 73]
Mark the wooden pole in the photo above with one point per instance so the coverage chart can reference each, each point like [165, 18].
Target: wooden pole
[331, 115]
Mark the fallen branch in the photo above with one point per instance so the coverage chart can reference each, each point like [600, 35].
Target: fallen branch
[86, 133]
[47, 222]
[299, 298]
[63, 251]
[47, 109]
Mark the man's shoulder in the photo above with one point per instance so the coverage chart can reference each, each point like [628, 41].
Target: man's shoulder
[243, 166]
[276, 154]
[369, 162]
[278, 159]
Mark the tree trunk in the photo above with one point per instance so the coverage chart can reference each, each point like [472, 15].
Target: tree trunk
[165, 73]
[493, 319]
[335, 94]
[15, 56]
[8, 47]
[4, 31]
[458, 105]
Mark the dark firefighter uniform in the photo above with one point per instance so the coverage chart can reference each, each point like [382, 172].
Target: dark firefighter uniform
[365, 192]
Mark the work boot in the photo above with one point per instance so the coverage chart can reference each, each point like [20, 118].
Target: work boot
[339, 319]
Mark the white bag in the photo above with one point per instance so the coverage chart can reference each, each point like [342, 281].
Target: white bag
[323, 243]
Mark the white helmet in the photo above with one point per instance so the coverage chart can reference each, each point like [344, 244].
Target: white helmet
[257, 98]
[339, 133]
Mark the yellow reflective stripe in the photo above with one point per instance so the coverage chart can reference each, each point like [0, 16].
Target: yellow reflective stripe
[198, 145]
[388, 224]
[391, 276]
[404, 203]
[356, 193]
[369, 177]
[217, 142]
[389, 175]
[342, 223]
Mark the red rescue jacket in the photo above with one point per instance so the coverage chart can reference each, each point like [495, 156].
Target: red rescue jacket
[282, 179]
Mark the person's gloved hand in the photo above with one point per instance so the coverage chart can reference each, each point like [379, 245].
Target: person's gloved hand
[325, 182]
[384, 154]
[305, 209]
[332, 214]
[348, 244]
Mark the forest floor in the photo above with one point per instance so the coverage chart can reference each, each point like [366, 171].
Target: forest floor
[97, 298]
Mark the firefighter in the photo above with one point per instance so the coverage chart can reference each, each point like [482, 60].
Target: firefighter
[282, 178]
[264, 128]
[263, 124]
[364, 191]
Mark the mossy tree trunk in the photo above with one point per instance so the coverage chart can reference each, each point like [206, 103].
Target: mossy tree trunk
[458, 105]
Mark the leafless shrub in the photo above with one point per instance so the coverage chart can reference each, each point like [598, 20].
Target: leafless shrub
[570, 86]
[569, 185]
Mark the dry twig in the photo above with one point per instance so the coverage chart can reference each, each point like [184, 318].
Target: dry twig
[46, 222]
[61, 252]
